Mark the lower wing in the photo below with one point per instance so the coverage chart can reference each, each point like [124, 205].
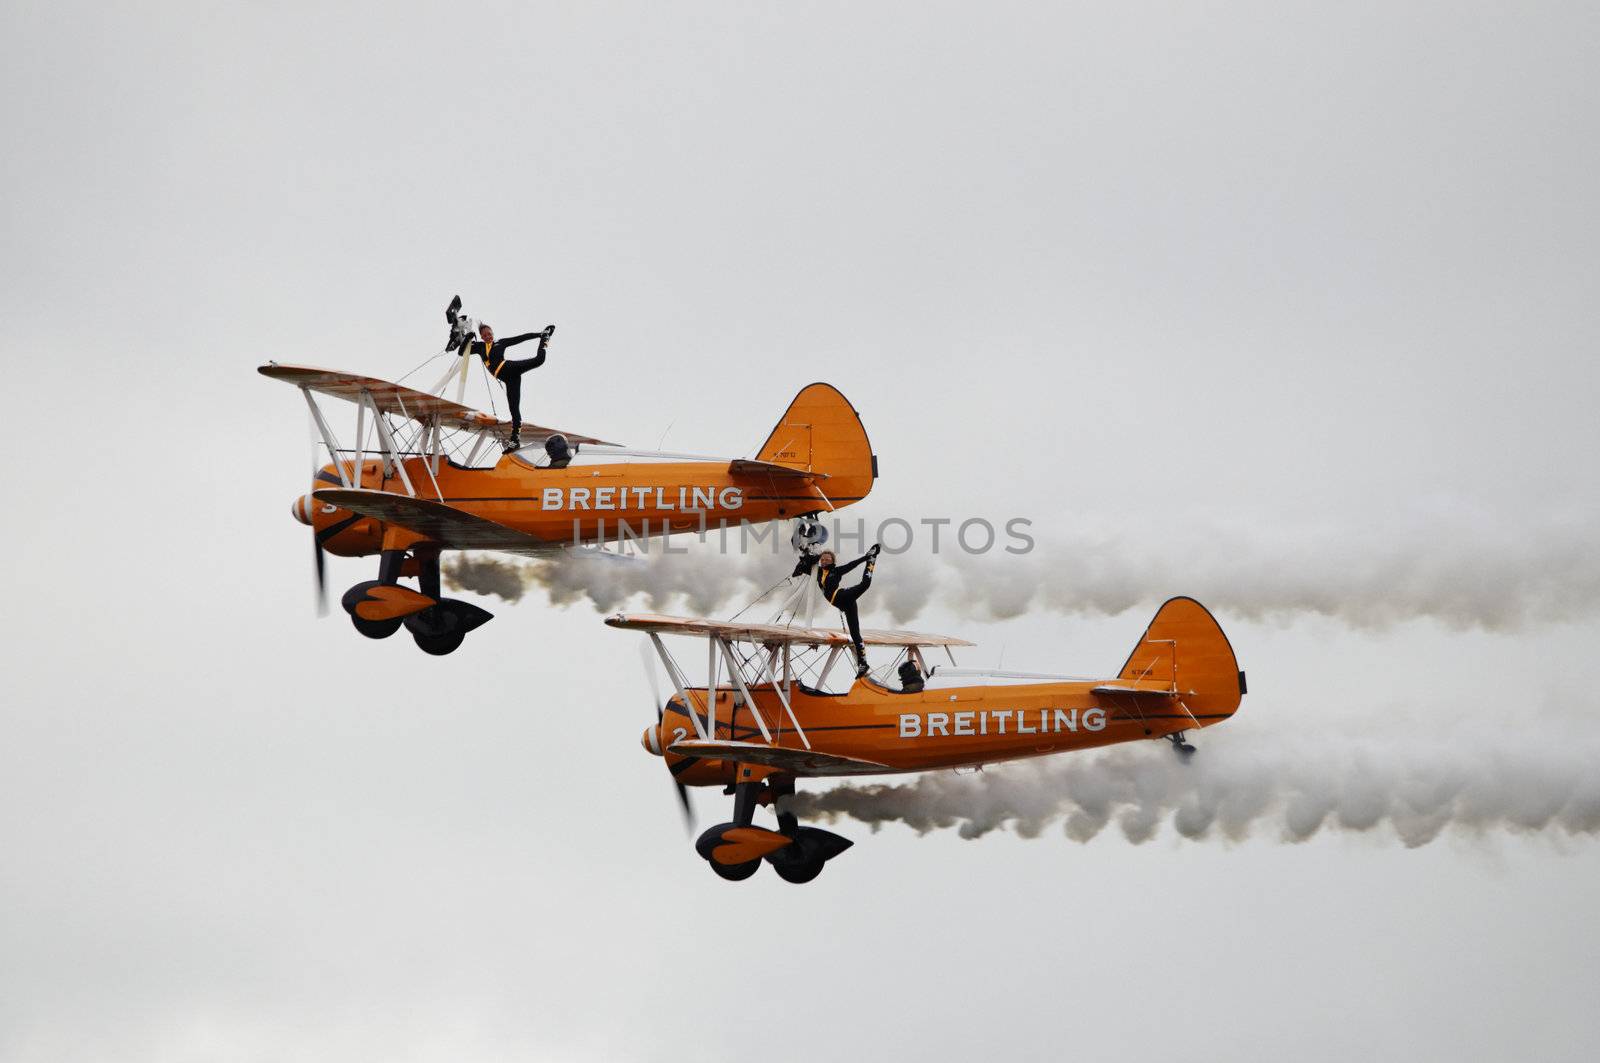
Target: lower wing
[446, 525]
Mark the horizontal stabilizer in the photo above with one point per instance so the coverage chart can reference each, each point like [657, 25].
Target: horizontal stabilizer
[747, 467]
[1131, 687]
[798, 761]
[448, 526]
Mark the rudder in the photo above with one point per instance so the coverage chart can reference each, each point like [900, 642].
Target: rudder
[1185, 645]
[821, 432]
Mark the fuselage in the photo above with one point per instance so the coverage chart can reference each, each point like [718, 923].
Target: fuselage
[946, 727]
[583, 503]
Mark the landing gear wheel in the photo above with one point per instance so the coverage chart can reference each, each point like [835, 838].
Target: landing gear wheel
[799, 873]
[376, 629]
[1180, 747]
[439, 645]
[735, 872]
[440, 628]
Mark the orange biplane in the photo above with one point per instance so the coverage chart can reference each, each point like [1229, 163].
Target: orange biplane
[774, 720]
[428, 487]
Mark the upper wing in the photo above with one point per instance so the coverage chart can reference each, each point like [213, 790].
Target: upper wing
[798, 761]
[400, 401]
[450, 527]
[772, 634]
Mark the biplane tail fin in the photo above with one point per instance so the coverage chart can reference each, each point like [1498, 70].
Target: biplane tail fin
[1184, 646]
[821, 432]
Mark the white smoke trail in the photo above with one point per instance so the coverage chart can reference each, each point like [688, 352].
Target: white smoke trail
[702, 582]
[1233, 789]
[1464, 578]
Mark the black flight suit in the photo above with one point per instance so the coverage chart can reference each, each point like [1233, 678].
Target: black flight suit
[844, 598]
[508, 372]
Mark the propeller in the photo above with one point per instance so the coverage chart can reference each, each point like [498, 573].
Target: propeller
[648, 662]
[688, 807]
[318, 560]
[647, 659]
[322, 576]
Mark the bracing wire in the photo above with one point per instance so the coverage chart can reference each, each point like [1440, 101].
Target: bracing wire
[430, 358]
[488, 383]
[757, 601]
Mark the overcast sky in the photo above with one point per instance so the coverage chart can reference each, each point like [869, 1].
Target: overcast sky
[1200, 280]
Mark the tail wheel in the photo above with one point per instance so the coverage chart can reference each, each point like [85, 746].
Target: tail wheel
[376, 629]
[799, 873]
[735, 872]
[439, 645]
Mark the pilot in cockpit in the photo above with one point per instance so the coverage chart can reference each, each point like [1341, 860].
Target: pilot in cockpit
[910, 676]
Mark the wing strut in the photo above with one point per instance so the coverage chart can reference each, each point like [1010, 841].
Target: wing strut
[678, 682]
[833, 656]
[711, 688]
[738, 681]
[327, 438]
[391, 452]
[766, 665]
[421, 438]
[361, 443]
[481, 438]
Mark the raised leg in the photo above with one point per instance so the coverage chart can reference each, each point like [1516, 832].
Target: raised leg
[513, 382]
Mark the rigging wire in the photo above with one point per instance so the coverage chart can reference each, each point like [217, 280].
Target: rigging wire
[757, 601]
[488, 383]
[430, 358]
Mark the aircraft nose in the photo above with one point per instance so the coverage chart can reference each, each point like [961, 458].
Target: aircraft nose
[302, 508]
[651, 739]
